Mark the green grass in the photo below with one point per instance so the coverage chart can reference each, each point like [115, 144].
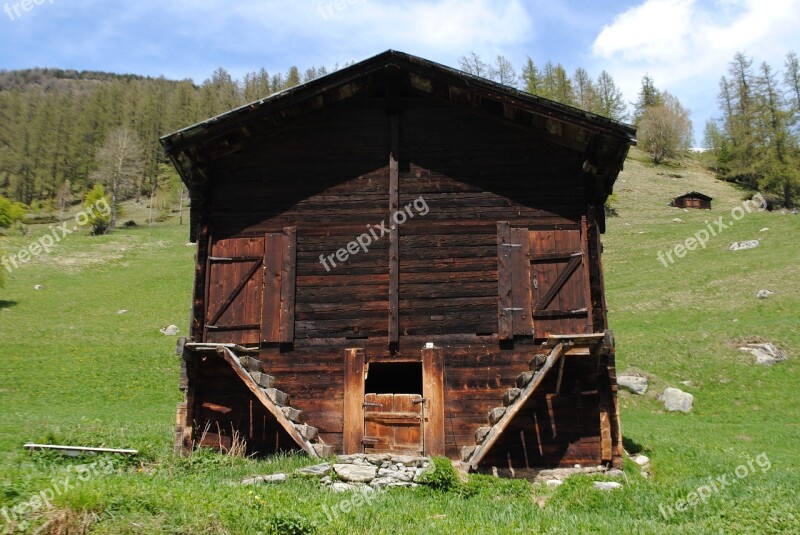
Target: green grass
[75, 371]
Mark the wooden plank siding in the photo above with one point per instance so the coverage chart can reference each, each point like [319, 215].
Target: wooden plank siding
[329, 177]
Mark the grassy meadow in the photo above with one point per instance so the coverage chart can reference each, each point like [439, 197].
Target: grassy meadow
[77, 370]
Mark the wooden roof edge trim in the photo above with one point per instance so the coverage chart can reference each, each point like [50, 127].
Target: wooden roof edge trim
[695, 194]
[175, 141]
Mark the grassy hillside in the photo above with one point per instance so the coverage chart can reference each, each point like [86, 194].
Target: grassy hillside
[75, 370]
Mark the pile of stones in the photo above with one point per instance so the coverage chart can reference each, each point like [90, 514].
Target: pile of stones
[369, 471]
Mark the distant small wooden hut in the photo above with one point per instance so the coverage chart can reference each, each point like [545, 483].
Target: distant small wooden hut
[693, 199]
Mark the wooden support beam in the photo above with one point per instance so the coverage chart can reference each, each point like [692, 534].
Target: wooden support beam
[288, 284]
[353, 433]
[394, 233]
[560, 375]
[433, 392]
[497, 430]
[265, 400]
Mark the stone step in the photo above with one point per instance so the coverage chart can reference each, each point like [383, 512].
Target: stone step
[308, 432]
[466, 451]
[523, 379]
[496, 414]
[292, 414]
[263, 380]
[510, 396]
[279, 398]
[250, 364]
[481, 433]
[323, 450]
[537, 362]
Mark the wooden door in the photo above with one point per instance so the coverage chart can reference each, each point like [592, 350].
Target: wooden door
[560, 281]
[543, 281]
[250, 289]
[393, 422]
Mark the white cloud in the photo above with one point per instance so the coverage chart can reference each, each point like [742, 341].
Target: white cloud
[686, 45]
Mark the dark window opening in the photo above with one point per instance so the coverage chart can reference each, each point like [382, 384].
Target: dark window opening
[394, 378]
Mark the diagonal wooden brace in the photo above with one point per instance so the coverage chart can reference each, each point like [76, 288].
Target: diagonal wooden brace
[498, 429]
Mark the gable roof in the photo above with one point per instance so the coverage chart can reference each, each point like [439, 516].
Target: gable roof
[694, 195]
[602, 141]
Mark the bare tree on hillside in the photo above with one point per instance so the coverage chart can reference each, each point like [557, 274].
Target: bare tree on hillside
[119, 165]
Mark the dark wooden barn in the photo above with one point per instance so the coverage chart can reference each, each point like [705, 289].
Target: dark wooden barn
[402, 257]
[693, 199]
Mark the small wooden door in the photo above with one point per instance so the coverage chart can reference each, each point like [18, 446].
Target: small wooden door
[393, 422]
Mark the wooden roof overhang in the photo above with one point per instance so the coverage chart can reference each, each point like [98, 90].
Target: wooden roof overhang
[603, 143]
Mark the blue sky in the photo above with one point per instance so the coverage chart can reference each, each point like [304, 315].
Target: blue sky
[684, 45]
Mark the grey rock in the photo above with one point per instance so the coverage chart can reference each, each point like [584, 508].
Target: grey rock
[38, 287]
[763, 294]
[272, 478]
[553, 482]
[742, 245]
[607, 485]
[677, 400]
[355, 474]
[377, 458]
[633, 383]
[615, 472]
[641, 460]
[408, 460]
[342, 487]
[317, 470]
[677, 220]
[395, 474]
[170, 330]
[766, 354]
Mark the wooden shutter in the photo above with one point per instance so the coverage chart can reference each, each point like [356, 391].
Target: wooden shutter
[277, 304]
[560, 276]
[514, 282]
[233, 291]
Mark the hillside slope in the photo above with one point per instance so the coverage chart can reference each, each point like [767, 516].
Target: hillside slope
[78, 370]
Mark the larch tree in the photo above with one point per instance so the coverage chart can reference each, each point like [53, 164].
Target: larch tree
[610, 102]
[503, 72]
[472, 64]
[119, 164]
